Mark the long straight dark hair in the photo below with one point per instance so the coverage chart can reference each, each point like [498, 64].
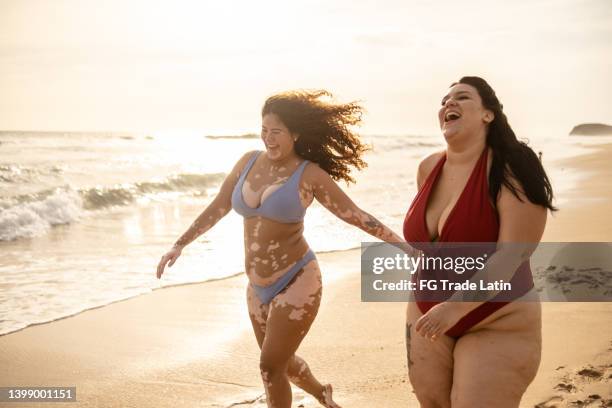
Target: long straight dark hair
[512, 158]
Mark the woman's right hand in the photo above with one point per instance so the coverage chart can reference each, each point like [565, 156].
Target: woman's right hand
[171, 256]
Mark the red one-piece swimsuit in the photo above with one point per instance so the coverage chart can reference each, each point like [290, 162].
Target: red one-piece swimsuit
[472, 219]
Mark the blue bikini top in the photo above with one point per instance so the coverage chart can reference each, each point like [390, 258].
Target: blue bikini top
[282, 205]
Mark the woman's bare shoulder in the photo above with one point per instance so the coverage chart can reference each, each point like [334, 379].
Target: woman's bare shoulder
[427, 165]
[313, 173]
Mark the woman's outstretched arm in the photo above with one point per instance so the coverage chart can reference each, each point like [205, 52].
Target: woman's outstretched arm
[331, 196]
[217, 209]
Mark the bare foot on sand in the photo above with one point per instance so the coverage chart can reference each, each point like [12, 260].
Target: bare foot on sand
[327, 400]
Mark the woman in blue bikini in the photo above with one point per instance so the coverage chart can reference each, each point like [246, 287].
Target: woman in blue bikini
[308, 146]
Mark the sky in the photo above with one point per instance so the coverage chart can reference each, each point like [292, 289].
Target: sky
[207, 66]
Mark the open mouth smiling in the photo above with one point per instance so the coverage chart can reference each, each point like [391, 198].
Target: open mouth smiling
[451, 115]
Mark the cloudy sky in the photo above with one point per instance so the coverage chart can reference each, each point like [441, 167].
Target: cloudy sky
[207, 66]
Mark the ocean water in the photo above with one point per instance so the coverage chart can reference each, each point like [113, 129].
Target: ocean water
[85, 217]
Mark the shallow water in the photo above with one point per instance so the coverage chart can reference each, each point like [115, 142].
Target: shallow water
[85, 217]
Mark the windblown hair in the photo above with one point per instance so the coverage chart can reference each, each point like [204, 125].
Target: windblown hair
[322, 128]
[512, 158]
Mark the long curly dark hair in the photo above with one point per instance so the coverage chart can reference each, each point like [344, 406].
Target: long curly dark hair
[511, 157]
[323, 129]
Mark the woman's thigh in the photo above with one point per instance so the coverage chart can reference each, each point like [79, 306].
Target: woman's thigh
[430, 363]
[291, 314]
[496, 362]
[258, 313]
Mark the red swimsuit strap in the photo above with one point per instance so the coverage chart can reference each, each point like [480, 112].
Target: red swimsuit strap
[472, 202]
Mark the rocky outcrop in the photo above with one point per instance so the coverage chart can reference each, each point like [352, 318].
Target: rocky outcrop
[592, 129]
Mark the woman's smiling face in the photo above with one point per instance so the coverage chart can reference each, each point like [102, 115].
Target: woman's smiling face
[462, 112]
[276, 136]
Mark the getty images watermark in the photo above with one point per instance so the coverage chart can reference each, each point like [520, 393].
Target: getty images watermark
[437, 272]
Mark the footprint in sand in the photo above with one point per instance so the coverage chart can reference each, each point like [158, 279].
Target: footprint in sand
[587, 387]
[551, 402]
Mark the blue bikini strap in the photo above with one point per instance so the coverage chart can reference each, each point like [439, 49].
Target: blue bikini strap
[248, 166]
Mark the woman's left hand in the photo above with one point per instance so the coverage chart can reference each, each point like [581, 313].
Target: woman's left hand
[439, 319]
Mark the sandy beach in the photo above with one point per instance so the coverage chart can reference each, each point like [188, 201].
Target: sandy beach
[192, 345]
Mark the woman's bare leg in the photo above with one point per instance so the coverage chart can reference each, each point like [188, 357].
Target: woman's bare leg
[301, 300]
[298, 370]
[430, 364]
[495, 364]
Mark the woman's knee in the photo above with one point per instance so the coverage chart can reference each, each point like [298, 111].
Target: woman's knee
[296, 367]
[271, 366]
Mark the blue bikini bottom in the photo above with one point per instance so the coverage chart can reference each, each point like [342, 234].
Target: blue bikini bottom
[267, 293]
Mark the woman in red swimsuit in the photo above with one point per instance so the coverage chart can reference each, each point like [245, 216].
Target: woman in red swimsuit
[486, 186]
